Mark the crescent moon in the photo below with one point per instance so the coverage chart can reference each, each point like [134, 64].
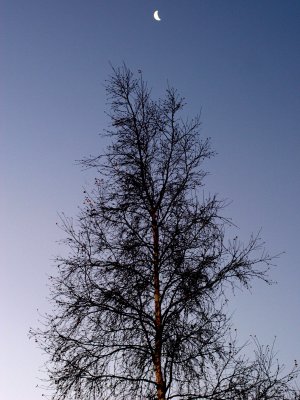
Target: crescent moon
[156, 16]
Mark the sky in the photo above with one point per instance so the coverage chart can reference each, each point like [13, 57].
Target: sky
[238, 61]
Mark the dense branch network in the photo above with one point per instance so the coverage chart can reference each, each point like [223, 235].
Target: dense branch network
[139, 302]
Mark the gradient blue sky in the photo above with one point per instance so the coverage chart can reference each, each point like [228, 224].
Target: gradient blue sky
[237, 60]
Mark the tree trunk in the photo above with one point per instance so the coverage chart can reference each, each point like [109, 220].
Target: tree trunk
[161, 387]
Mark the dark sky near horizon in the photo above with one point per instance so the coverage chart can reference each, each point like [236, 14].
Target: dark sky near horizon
[238, 61]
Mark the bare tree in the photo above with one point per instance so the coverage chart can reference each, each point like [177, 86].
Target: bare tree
[139, 304]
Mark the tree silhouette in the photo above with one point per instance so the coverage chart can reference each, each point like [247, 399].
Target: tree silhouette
[140, 302]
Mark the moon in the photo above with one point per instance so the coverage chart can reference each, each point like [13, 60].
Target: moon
[156, 16]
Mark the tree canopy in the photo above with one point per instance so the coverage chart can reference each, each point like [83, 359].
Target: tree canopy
[139, 304]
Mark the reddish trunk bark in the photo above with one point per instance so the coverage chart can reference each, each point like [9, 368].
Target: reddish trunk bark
[161, 391]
